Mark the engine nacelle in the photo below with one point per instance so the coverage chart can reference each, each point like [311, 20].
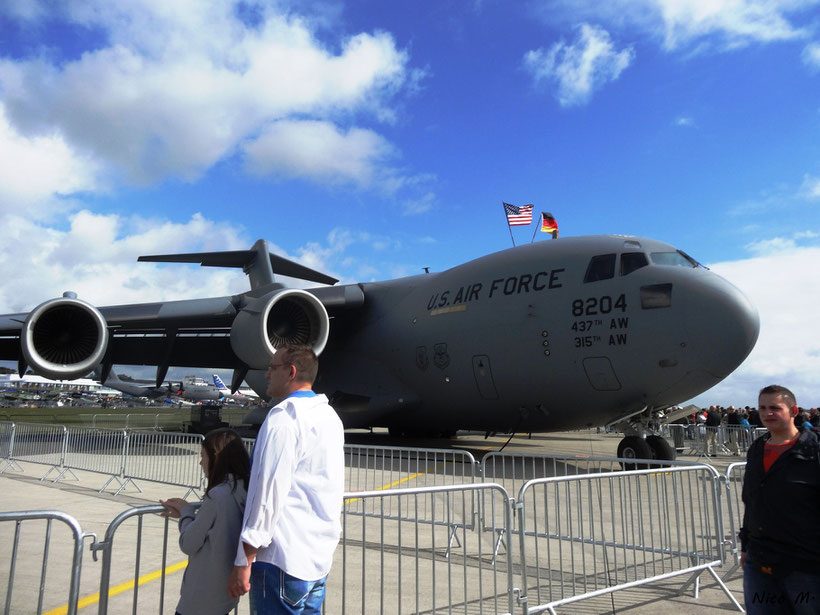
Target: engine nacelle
[64, 338]
[287, 316]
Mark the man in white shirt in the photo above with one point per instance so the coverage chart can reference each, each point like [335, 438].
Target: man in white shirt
[292, 516]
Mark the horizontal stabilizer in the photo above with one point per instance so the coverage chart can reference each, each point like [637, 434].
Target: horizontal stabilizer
[248, 261]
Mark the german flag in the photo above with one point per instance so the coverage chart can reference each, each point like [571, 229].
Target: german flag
[548, 224]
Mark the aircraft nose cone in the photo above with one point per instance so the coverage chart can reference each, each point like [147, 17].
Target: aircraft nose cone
[722, 324]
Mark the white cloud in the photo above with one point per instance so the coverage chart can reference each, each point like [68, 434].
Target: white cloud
[580, 68]
[739, 22]
[811, 187]
[785, 288]
[27, 10]
[684, 121]
[692, 24]
[97, 259]
[420, 205]
[351, 252]
[317, 150]
[179, 86]
[34, 170]
[811, 56]
[779, 245]
[769, 247]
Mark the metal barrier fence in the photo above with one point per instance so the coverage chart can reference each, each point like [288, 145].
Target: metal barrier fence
[373, 468]
[512, 470]
[6, 445]
[150, 551]
[404, 565]
[383, 467]
[25, 560]
[733, 440]
[170, 458]
[579, 536]
[170, 420]
[379, 468]
[125, 456]
[96, 450]
[39, 444]
[587, 535]
[733, 520]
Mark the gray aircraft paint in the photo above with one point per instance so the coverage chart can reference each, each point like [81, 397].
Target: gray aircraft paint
[514, 340]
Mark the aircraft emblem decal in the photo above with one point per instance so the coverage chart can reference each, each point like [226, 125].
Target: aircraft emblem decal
[421, 357]
[441, 358]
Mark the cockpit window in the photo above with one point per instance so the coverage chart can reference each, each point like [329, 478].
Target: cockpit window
[630, 261]
[674, 259]
[600, 267]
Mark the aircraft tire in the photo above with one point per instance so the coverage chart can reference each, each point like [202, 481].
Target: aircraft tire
[634, 447]
[661, 449]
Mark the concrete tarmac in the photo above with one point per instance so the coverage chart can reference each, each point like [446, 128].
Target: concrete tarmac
[76, 495]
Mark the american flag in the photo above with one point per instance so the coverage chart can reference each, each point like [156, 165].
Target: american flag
[518, 216]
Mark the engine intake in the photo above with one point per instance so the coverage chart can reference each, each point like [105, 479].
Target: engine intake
[64, 338]
[287, 316]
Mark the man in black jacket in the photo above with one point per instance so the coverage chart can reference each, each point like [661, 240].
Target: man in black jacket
[712, 429]
[780, 537]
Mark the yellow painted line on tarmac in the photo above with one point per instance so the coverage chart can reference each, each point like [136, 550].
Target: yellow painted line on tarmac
[394, 483]
[404, 480]
[122, 587]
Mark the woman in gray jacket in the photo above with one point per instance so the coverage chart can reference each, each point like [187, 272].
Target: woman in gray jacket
[209, 536]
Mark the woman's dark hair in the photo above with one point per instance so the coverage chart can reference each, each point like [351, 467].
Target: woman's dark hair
[226, 455]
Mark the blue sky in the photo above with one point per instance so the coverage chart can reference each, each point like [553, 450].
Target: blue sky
[371, 139]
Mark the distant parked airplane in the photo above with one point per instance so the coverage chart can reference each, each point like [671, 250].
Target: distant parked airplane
[242, 395]
[189, 391]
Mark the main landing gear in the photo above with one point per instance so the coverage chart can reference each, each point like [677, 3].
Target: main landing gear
[651, 447]
[640, 443]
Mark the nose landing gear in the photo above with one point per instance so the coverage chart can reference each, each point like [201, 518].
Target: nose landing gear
[640, 443]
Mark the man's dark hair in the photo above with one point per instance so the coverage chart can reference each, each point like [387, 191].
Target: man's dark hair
[302, 358]
[776, 389]
[226, 455]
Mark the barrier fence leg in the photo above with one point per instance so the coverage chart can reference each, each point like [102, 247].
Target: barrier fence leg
[10, 463]
[48, 472]
[125, 484]
[108, 482]
[725, 589]
[62, 473]
[731, 571]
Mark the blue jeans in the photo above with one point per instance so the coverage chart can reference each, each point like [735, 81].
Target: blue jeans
[275, 592]
[794, 592]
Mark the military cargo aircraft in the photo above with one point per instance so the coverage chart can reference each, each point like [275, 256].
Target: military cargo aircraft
[181, 390]
[550, 336]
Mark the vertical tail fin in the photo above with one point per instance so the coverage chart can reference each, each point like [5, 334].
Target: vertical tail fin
[219, 384]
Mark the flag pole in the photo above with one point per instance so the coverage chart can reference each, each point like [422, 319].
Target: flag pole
[540, 221]
[507, 220]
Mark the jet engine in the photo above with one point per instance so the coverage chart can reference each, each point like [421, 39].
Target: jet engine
[64, 338]
[287, 316]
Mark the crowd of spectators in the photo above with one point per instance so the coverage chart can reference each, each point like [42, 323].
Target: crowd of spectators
[714, 416]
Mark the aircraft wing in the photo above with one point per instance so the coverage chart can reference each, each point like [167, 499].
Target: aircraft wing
[66, 338]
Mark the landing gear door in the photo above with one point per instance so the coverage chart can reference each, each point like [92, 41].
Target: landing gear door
[484, 377]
